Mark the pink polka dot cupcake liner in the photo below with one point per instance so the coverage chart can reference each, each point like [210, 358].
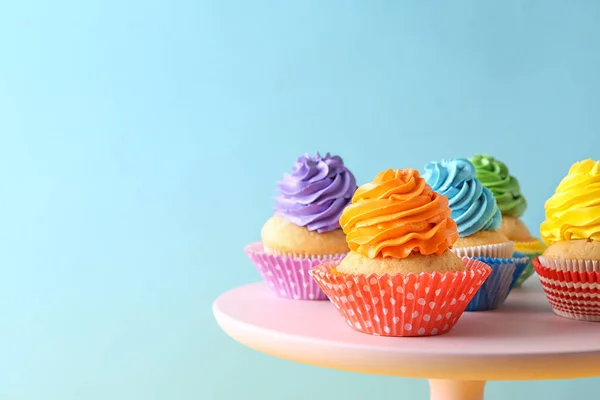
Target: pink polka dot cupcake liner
[288, 275]
[425, 304]
[572, 287]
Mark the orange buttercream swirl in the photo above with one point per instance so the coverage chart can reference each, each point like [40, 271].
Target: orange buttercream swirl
[397, 215]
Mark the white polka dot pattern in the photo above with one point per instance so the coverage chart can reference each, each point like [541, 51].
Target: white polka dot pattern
[402, 305]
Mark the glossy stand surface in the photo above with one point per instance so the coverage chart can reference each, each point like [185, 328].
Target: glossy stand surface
[523, 340]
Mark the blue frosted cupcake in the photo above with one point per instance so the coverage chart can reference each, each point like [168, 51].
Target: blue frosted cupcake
[473, 208]
[478, 219]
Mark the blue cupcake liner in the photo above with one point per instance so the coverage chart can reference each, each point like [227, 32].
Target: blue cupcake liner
[521, 261]
[496, 287]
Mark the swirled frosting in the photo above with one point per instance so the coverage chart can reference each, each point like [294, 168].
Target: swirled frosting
[573, 212]
[315, 192]
[473, 206]
[397, 215]
[494, 175]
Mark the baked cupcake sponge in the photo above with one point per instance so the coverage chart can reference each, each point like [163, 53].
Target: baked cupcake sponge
[574, 250]
[280, 236]
[514, 229]
[481, 238]
[356, 263]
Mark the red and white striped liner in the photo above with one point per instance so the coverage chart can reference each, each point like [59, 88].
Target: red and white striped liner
[572, 287]
[570, 265]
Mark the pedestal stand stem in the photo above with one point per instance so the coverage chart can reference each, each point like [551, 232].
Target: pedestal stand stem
[442, 389]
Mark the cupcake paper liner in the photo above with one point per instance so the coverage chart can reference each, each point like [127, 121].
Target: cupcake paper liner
[500, 250]
[424, 304]
[497, 286]
[521, 261]
[287, 275]
[570, 265]
[528, 271]
[572, 287]
[532, 249]
[321, 258]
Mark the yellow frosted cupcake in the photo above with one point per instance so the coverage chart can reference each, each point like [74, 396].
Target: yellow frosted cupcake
[572, 225]
[570, 267]
[400, 277]
[280, 236]
[473, 208]
[494, 175]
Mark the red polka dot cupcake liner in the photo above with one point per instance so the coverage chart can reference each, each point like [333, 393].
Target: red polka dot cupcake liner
[572, 287]
[288, 275]
[411, 304]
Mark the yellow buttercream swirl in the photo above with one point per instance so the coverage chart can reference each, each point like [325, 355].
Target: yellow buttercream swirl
[533, 246]
[573, 212]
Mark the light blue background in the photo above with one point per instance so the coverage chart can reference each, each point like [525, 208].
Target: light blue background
[141, 142]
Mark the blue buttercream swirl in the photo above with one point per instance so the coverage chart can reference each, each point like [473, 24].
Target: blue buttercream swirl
[473, 206]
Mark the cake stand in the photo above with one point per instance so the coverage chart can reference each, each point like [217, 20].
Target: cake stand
[523, 340]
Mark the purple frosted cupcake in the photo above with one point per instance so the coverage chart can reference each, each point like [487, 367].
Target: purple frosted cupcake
[305, 229]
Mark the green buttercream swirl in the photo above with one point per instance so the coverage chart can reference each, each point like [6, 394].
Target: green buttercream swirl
[494, 175]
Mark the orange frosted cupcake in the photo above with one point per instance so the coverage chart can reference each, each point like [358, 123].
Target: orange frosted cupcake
[400, 277]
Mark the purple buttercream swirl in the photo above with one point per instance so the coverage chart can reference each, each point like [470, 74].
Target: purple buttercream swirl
[315, 193]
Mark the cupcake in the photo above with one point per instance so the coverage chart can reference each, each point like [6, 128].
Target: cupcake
[570, 267]
[473, 208]
[495, 176]
[305, 228]
[478, 219]
[400, 277]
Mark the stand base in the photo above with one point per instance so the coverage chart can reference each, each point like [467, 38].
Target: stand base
[443, 389]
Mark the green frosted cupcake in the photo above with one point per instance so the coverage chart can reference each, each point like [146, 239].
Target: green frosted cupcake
[494, 175]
